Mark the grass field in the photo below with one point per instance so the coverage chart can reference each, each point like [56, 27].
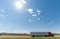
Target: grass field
[34, 38]
[28, 37]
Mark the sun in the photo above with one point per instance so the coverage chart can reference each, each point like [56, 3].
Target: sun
[19, 4]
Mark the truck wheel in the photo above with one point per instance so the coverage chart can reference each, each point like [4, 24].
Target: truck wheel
[46, 36]
[33, 35]
[52, 34]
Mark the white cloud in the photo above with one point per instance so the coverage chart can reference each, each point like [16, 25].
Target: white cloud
[30, 11]
[38, 18]
[39, 12]
[23, 1]
[34, 14]
[2, 16]
[30, 20]
[2, 10]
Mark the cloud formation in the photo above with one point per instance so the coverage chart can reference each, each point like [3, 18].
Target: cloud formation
[39, 12]
[23, 1]
[2, 16]
[34, 13]
[2, 10]
[30, 20]
[2, 13]
[30, 11]
[38, 18]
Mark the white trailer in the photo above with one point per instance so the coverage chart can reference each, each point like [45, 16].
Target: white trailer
[41, 34]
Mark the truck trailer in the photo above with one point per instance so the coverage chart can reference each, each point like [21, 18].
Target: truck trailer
[41, 34]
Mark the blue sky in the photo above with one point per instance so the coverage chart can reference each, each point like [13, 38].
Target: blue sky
[34, 16]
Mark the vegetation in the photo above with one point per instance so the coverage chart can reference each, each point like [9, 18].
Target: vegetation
[34, 38]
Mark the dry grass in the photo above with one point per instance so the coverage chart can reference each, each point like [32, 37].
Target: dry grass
[57, 35]
[22, 36]
[10, 36]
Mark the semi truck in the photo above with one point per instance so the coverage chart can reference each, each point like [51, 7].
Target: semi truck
[41, 34]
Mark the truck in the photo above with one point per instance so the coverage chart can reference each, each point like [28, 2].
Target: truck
[41, 34]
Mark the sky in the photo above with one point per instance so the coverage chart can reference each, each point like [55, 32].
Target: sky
[25, 16]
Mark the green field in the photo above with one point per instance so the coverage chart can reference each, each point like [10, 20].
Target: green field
[34, 38]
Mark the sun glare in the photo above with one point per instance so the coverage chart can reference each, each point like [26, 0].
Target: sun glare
[20, 3]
